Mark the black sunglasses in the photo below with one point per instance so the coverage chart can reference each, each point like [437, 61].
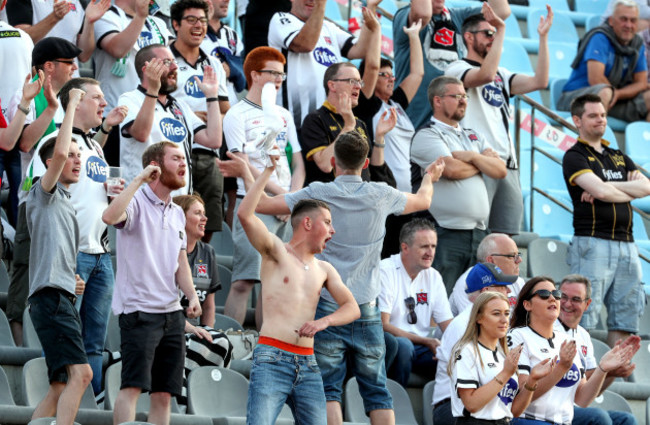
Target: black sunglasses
[411, 317]
[545, 294]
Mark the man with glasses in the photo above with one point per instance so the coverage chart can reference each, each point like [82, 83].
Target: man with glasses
[575, 298]
[244, 127]
[189, 19]
[321, 128]
[483, 277]
[491, 88]
[498, 249]
[412, 295]
[155, 115]
[311, 44]
[462, 208]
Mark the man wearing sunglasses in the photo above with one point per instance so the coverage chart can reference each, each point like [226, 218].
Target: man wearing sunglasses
[412, 296]
[462, 208]
[483, 277]
[491, 88]
[575, 293]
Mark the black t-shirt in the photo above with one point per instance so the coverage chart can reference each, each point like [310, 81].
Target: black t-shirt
[605, 220]
[368, 108]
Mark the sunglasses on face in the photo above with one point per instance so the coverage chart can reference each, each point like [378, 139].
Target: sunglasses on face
[545, 294]
[411, 317]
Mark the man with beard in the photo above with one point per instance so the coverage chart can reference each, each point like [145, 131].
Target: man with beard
[491, 88]
[153, 266]
[155, 115]
[461, 209]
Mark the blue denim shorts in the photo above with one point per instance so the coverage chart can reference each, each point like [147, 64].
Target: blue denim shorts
[279, 377]
[362, 343]
[614, 270]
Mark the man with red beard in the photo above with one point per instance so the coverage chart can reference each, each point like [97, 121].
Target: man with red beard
[153, 266]
[461, 209]
[491, 88]
[155, 115]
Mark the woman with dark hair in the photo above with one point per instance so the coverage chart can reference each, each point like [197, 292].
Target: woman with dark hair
[538, 307]
[483, 372]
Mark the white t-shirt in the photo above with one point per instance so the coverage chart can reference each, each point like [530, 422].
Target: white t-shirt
[583, 343]
[450, 337]
[303, 91]
[224, 38]
[88, 196]
[67, 28]
[469, 371]
[15, 61]
[556, 405]
[397, 152]
[458, 300]
[154, 31]
[173, 122]
[489, 109]
[244, 124]
[427, 289]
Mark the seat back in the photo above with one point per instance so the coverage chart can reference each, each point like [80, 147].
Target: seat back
[30, 338]
[6, 339]
[113, 336]
[600, 348]
[36, 385]
[427, 408]
[637, 139]
[609, 400]
[112, 383]
[548, 257]
[564, 30]
[515, 58]
[222, 241]
[6, 399]
[223, 322]
[555, 91]
[4, 277]
[561, 56]
[354, 408]
[217, 392]
[225, 277]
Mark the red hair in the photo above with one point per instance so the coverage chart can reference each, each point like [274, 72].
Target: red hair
[257, 58]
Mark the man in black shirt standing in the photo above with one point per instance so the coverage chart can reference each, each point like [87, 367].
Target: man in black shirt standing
[602, 181]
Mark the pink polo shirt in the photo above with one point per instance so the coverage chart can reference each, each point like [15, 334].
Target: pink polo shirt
[148, 245]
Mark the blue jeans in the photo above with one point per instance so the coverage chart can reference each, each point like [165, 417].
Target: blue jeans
[522, 421]
[596, 416]
[10, 162]
[278, 376]
[94, 308]
[362, 343]
[614, 270]
[411, 356]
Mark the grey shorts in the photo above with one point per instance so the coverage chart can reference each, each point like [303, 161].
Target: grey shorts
[246, 260]
[208, 182]
[633, 109]
[506, 203]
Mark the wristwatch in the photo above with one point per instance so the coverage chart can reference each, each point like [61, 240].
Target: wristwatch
[25, 111]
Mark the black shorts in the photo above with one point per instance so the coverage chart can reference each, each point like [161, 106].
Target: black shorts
[58, 327]
[153, 351]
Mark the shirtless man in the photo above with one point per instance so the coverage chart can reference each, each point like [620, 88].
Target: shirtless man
[291, 276]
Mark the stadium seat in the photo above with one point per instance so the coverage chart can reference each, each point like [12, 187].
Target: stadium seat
[592, 21]
[30, 338]
[355, 412]
[596, 7]
[548, 257]
[6, 399]
[217, 392]
[333, 12]
[36, 385]
[644, 323]
[600, 348]
[555, 91]
[561, 56]
[547, 175]
[564, 30]
[223, 322]
[639, 231]
[113, 336]
[515, 58]
[222, 241]
[46, 421]
[637, 140]
[4, 277]
[609, 400]
[513, 33]
[6, 340]
[427, 408]
[225, 277]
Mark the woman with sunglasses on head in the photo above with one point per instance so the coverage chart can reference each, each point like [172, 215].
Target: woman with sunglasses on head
[485, 388]
[538, 307]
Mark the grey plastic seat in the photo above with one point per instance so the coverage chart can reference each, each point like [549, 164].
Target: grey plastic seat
[30, 338]
[216, 392]
[6, 399]
[600, 348]
[223, 322]
[225, 277]
[609, 400]
[112, 382]
[113, 337]
[45, 421]
[36, 385]
[4, 277]
[222, 241]
[427, 408]
[6, 340]
[548, 257]
[355, 412]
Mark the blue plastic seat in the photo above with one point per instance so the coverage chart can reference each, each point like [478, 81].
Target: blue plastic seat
[637, 141]
[564, 30]
[596, 7]
[561, 56]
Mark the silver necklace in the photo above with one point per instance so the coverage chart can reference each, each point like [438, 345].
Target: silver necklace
[305, 266]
